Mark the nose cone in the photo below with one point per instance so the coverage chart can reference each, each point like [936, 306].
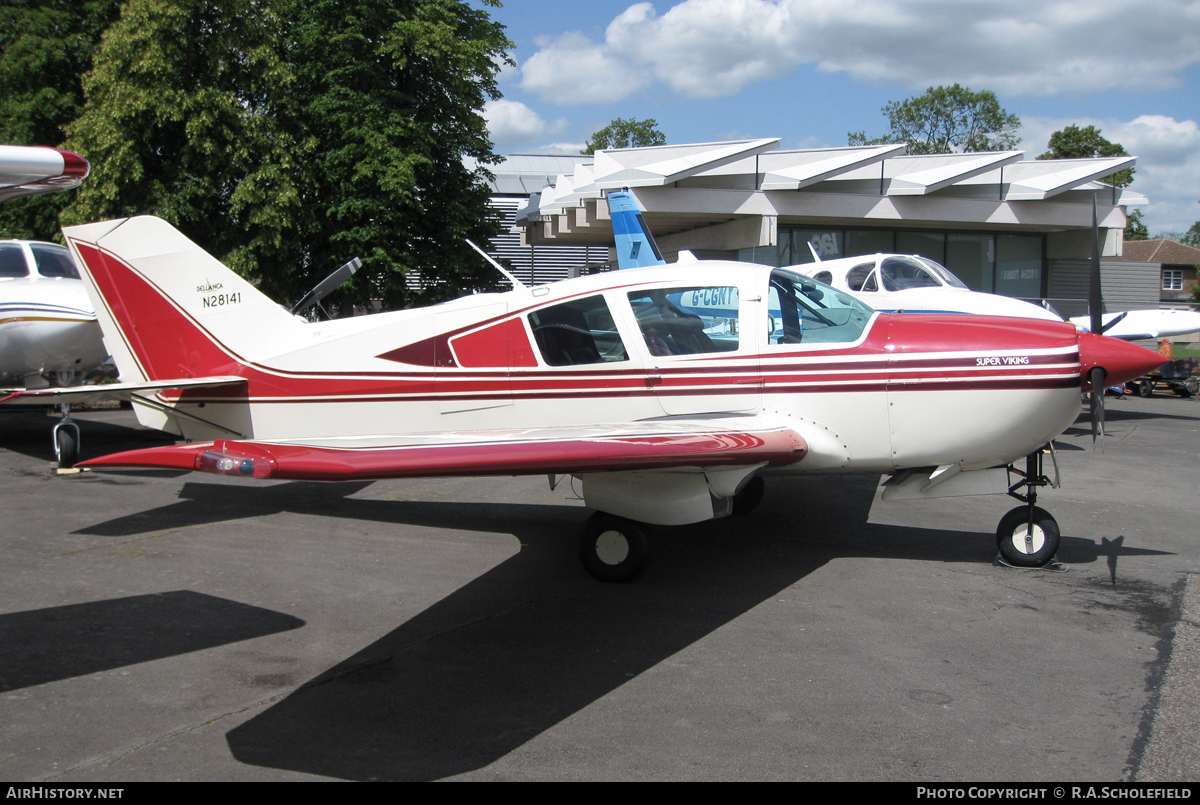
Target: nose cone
[1121, 360]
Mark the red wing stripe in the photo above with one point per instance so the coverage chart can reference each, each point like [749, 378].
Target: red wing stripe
[600, 454]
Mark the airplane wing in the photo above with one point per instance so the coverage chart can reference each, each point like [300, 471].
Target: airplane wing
[1133, 325]
[106, 391]
[650, 445]
[29, 170]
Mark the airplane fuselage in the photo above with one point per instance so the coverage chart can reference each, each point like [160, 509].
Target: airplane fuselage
[48, 329]
[879, 392]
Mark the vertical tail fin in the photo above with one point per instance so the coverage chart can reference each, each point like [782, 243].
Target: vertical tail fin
[170, 310]
[635, 244]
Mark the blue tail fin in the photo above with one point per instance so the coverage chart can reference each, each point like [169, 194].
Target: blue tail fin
[635, 244]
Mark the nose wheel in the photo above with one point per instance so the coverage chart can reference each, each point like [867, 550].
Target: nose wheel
[66, 440]
[1028, 536]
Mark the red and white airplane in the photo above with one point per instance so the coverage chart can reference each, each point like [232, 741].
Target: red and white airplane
[664, 416]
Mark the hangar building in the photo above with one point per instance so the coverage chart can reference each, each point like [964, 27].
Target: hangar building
[1002, 223]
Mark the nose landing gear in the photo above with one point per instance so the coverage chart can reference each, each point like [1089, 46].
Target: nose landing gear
[66, 439]
[1028, 536]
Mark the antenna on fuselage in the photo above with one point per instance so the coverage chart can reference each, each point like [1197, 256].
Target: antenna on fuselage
[813, 249]
[326, 287]
[516, 282]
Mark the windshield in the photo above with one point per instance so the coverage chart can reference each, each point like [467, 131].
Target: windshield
[53, 261]
[946, 274]
[802, 310]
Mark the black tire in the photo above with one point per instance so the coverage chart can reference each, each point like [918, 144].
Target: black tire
[751, 495]
[613, 548]
[1011, 537]
[1145, 388]
[68, 447]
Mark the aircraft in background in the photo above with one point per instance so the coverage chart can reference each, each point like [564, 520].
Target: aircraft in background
[911, 283]
[663, 415]
[906, 283]
[30, 170]
[48, 331]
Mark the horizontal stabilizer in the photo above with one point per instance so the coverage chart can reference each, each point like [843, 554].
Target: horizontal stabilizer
[106, 392]
[538, 451]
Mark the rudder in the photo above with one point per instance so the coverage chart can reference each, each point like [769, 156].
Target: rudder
[167, 308]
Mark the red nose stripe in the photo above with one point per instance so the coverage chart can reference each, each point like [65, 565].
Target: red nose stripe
[1121, 360]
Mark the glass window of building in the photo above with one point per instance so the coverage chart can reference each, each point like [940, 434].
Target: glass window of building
[926, 244]
[1019, 266]
[971, 258]
[869, 241]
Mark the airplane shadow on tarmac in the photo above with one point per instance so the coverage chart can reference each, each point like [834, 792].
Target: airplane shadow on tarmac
[535, 640]
[46, 645]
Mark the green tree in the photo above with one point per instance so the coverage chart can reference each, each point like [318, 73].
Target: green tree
[286, 136]
[1134, 228]
[1192, 236]
[390, 95]
[176, 119]
[45, 49]
[621, 133]
[946, 120]
[1074, 142]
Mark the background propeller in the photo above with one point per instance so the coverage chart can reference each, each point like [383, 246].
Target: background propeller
[1097, 375]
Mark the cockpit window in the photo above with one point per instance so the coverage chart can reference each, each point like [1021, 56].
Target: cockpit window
[687, 321]
[946, 274]
[823, 276]
[903, 273]
[802, 310]
[53, 261]
[12, 260]
[857, 277]
[581, 331]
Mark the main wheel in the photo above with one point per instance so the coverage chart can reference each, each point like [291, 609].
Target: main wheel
[613, 548]
[67, 445]
[1023, 547]
[751, 495]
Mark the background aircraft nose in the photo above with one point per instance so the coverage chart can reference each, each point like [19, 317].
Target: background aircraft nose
[1121, 360]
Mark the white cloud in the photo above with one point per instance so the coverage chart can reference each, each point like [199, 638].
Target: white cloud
[713, 48]
[511, 122]
[573, 69]
[571, 149]
[1168, 161]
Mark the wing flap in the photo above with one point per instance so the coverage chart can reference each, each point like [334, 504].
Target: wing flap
[527, 452]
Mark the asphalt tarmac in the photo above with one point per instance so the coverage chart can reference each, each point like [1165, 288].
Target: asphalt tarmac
[170, 626]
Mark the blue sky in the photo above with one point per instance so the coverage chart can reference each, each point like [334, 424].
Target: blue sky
[809, 71]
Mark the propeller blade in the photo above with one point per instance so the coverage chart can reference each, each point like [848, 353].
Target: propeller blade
[1115, 321]
[1095, 297]
[1097, 377]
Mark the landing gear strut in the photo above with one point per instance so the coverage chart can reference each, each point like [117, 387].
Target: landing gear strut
[66, 439]
[1028, 536]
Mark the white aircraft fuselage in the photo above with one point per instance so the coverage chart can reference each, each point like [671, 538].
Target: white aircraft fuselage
[48, 329]
[915, 284]
[667, 391]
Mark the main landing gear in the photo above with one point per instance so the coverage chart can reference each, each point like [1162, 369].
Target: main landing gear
[1028, 536]
[616, 548]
